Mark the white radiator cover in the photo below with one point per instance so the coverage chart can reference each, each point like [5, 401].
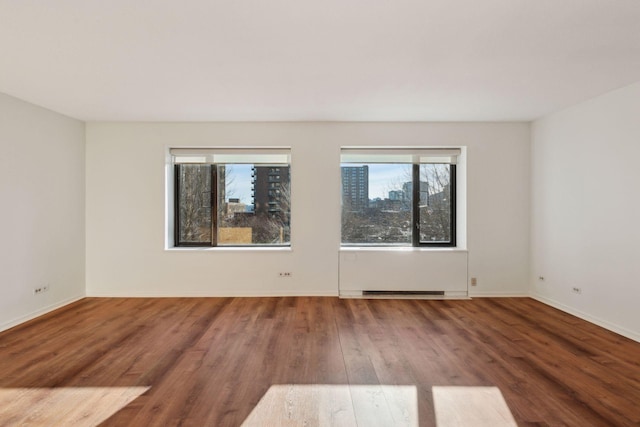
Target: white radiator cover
[391, 269]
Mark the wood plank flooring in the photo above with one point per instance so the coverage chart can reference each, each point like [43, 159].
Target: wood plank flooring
[316, 361]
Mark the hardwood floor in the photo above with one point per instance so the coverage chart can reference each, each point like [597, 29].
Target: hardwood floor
[324, 361]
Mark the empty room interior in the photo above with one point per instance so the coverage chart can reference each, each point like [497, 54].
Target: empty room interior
[408, 213]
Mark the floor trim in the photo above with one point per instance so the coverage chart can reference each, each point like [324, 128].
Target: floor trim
[592, 319]
[34, 314]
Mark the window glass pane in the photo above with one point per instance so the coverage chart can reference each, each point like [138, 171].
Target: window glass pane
[194, 204]
[376, 204]
[435, 203]
[253, 204]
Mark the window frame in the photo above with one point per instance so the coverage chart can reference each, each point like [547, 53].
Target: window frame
[214, 209]
[413, 159]
[207, 157]
[415, 209]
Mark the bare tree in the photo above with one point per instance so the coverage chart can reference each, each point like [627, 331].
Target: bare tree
[194, 203]
[435, 214]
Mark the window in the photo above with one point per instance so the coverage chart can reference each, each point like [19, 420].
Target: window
[399, 197]
[230, 198]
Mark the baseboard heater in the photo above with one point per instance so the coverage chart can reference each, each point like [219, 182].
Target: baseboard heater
[403, 293]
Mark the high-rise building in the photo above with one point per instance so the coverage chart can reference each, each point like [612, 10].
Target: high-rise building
[407, 188]
[395, 195]
[270, 190]
[355, 188]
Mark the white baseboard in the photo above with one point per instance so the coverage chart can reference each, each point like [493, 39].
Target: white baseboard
[30, 316]
[633, 335]
[498, 295]
[129, 294]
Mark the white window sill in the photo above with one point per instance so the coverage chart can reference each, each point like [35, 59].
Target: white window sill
[400, 249]
[229, 249]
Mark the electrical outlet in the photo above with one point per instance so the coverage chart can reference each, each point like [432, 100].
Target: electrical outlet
[474, 281]
[41, 289]
[284, 274]
[576, 290]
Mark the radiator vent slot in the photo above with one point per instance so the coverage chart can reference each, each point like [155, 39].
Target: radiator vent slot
[403, 293]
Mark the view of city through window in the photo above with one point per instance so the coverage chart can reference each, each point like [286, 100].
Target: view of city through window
[401, 204]
[251, 204]
[378, 205]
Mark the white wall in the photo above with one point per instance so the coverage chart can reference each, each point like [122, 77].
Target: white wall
[126, 253]
[42, 216]
[585, 210]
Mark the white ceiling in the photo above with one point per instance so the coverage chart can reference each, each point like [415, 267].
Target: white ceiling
[291, 60]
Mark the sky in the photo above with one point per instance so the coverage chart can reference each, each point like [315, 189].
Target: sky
[240, 187]
[387, 177]
[382, 179]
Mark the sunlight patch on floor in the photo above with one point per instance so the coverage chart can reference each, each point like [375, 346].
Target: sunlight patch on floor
[76, 406]
[336, 405]
[471, 406]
